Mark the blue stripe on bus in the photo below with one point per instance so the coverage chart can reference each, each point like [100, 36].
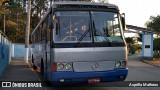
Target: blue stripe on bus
[113, 75]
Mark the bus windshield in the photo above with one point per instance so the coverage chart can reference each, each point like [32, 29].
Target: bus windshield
[106, 27]
[85, 26]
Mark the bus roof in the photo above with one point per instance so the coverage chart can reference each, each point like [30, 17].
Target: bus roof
[85, 4]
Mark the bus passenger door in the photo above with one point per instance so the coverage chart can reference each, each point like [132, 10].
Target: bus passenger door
[48, 49]
[48, 60]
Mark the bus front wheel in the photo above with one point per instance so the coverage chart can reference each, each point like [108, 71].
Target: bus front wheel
[34, 66]
[42, 66]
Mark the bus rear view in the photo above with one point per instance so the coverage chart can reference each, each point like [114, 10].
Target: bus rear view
[86, 44]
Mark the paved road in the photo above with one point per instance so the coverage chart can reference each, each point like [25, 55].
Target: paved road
[138, 71]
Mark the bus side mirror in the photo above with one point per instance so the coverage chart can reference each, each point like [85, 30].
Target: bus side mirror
[123, 21]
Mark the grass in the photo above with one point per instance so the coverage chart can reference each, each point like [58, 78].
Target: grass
[157, 59]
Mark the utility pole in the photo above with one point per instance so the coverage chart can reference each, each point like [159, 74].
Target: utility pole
[27, 32]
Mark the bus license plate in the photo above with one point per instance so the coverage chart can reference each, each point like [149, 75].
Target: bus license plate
[94, 80]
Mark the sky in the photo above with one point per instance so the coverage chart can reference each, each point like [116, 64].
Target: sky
[138, 12]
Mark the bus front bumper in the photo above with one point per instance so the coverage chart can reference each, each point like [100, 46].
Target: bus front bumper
[84, 77]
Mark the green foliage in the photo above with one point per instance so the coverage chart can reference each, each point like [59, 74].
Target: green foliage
[156, 44]
[16, 17]
[140, 37]
[10, 23]
[132, 46]
[129, 40]
[154, 23]
[139, 46]
[14, 22]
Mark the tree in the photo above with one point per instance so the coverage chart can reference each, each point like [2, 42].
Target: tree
[140, 37]
[15, 21]
[129, 40]
[154, 23]
[131, 45]
[4, 2]
[156, 44]
[16, 17]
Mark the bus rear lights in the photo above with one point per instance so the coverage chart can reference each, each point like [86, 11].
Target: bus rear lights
[118, 64]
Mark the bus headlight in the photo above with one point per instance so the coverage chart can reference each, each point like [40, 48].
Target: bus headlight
[60, 66]
[118, 64]
[124, 63]
[68, 66]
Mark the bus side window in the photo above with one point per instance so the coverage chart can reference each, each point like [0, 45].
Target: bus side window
[32, 38]
[36, 36]
[50, 26]
[40, 32]
[44, 28]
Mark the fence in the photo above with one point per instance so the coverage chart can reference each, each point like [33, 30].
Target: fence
[5, 52]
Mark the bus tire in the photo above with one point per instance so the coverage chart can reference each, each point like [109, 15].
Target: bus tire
[34, 66]
[42, 66]
[32, 59]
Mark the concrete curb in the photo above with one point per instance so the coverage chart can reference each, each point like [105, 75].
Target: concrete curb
[150, 63]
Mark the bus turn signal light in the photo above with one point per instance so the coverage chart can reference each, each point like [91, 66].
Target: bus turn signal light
[54, 67]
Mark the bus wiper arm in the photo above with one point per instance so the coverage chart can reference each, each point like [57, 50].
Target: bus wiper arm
[101, 34]
[82, 37]
[108, 41]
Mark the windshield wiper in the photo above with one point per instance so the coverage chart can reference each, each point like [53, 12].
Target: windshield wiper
[82, 37]
[103, 35]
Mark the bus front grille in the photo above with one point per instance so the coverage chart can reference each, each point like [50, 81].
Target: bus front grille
[93, 66]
